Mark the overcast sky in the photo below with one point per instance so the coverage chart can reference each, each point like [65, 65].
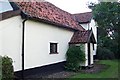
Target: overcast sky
[72, 6]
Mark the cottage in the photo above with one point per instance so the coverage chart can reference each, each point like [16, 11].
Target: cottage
[37, 34]
[87, 22]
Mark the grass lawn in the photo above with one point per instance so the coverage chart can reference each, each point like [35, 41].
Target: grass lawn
[111, 72]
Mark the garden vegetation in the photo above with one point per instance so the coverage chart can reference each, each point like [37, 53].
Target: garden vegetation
[74, 56]
[7, 72]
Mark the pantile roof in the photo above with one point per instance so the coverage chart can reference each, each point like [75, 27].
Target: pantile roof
[49, 12]
[83, 17]
[82, 37]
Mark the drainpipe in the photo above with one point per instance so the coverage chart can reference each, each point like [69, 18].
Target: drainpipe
[23, 39]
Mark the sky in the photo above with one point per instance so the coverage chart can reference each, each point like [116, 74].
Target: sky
[72, 6]
[5, 6]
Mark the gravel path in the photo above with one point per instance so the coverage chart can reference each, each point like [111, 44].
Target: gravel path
[96, 69]
[66, 74]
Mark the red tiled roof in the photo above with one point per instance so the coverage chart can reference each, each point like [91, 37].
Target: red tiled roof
[49, 12]
[82, 37]
[83, 17]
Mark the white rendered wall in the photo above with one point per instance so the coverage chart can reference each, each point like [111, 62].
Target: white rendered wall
[10, 38]
[37, 44]
[91, 52]
[85, 26]
[94, 28]
[86, 54]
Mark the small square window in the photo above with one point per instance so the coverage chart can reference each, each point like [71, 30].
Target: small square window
[53, 48]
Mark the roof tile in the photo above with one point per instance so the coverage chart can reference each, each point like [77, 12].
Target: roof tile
[83, 17]
[49, 12]
[80, 37]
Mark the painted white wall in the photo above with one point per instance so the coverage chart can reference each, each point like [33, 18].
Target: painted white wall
[86, 54]
[94, 28]
[10, 38]
[85, 26]
[37, 44]
[91, 52]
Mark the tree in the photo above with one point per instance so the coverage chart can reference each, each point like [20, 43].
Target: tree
[107, 16]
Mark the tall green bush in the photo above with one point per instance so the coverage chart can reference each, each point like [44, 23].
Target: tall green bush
[7, 68]
[104, 54]
[74, 57]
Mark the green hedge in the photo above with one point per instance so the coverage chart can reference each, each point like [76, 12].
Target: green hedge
[7, 68]
[74, 57]
[104, 54]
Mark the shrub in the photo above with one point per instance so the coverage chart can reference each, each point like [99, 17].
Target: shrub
[74, 57]
[104, 53]
[7, 68]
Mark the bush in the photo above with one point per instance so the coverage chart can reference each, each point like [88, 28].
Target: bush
[74, 57]
[7, 68]
[104, 54]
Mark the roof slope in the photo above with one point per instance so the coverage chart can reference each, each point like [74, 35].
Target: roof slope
[82, 37]
[49, 12]
[83, 17]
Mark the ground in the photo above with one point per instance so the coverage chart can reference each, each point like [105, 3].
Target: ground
[104, 68]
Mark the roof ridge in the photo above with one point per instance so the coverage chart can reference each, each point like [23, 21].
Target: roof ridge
[83, 17]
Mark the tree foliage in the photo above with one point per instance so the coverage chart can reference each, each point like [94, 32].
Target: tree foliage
[107, 16]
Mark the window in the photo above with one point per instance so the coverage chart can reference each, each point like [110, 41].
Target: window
[53, 48]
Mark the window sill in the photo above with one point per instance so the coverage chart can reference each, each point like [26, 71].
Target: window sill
[54, 53]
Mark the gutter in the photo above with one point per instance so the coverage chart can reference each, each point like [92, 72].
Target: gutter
[23, 39]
